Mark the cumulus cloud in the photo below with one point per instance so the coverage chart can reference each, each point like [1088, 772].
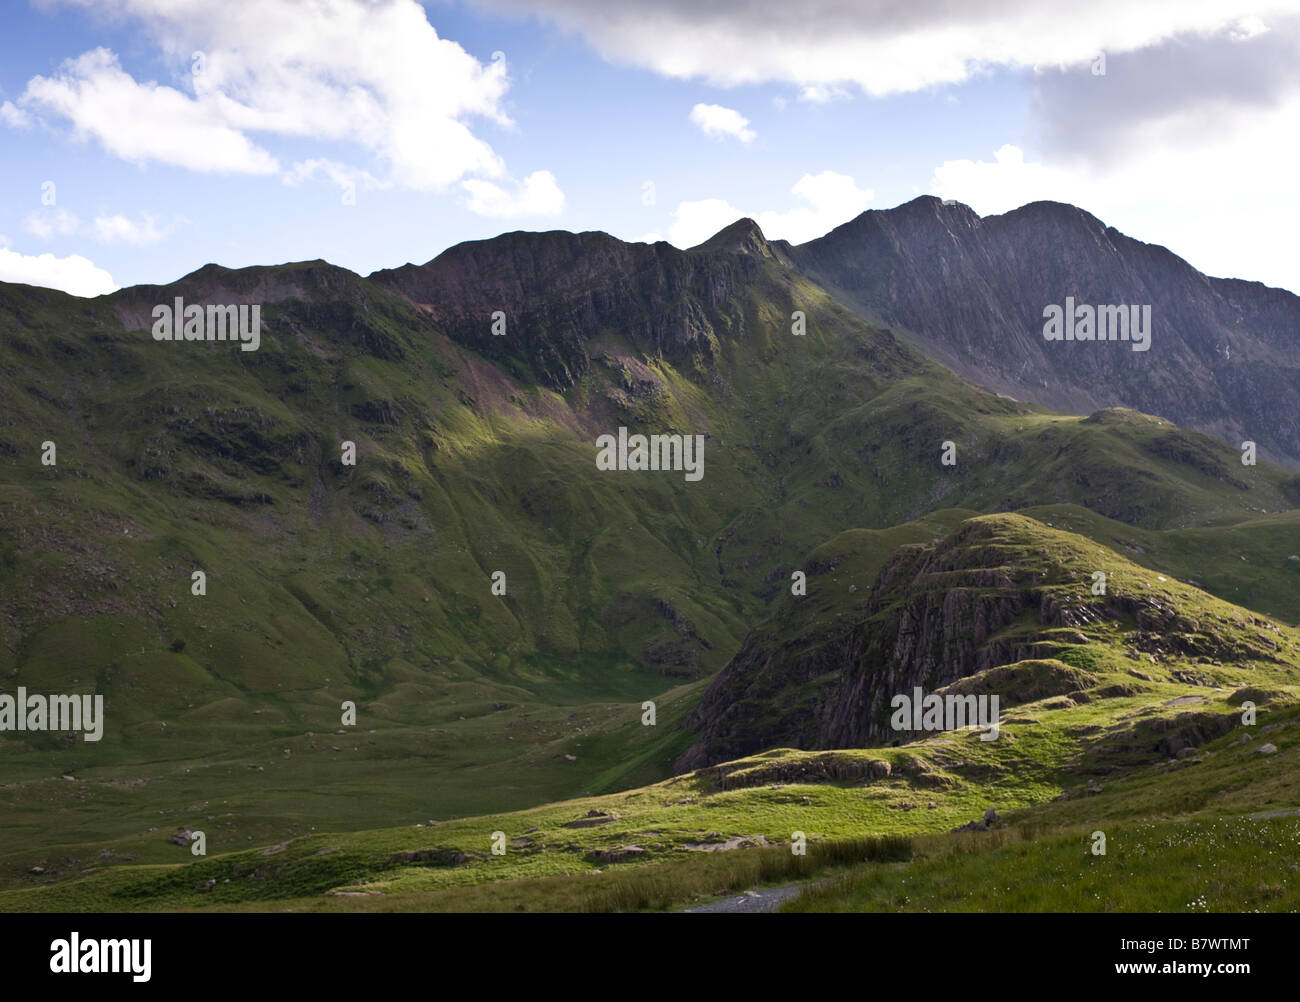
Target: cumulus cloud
[51, 223]
[718, 122]
[13, 116]
[695, 222]
[374, 74]
[880, 46]
[1007, 182]
[141, 122]
[831, 199]
[73, 274]
[536, 195]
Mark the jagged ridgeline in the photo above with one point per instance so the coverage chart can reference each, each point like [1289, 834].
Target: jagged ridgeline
[475, 455]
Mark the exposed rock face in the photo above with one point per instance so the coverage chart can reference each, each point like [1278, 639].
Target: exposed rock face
[1000, 590]
[929, 621]
[559, 291]
[1223, 352]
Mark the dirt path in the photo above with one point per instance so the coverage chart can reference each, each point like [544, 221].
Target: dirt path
[768, 900]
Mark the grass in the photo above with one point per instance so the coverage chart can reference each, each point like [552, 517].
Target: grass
[1032, 777]
[1226, 865]
[372, 583]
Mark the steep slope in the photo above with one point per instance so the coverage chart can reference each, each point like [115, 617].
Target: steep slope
[1000, 590]
[559, 292]
[1223, 356]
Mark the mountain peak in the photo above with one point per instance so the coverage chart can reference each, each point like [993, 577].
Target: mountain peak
[1046, 211]
[743, 236]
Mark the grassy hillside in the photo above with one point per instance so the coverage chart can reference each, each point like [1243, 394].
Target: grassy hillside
[822, 670]
[373, 583]
[1092, 739]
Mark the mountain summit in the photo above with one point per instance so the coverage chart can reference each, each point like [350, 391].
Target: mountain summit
[971, 291]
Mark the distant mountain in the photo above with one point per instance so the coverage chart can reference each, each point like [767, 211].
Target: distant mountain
[1224, 355]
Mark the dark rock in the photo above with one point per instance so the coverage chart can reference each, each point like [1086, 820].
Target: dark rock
[937, 619]
[973, 289]
[591, 822]
[620, 855]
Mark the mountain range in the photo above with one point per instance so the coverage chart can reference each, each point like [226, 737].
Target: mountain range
[867, 453]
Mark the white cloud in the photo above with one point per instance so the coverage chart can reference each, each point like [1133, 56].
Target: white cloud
[536, 195]
[695, 222]
[374, 74]
[1007, 182]
[1247, 28]
[141, 122]
[343, 176]
[881, 46]
[1190, 144]
[832, 199]
[13, 116]
[822, 93]
[47, 224]
[1166, 195]
[120, 229]
[1187, 93]
[718, 122]
[73, 274]
[116, 228]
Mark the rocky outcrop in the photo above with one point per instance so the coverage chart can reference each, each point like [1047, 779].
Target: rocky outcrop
[984, 609]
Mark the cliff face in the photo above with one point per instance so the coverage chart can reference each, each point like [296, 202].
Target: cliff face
[560, 291]
[1223, 355]
[1001, 589]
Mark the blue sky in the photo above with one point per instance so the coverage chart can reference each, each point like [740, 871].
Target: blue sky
[176, 133]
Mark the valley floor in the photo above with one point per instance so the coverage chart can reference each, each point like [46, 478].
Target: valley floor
[1216, 829]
